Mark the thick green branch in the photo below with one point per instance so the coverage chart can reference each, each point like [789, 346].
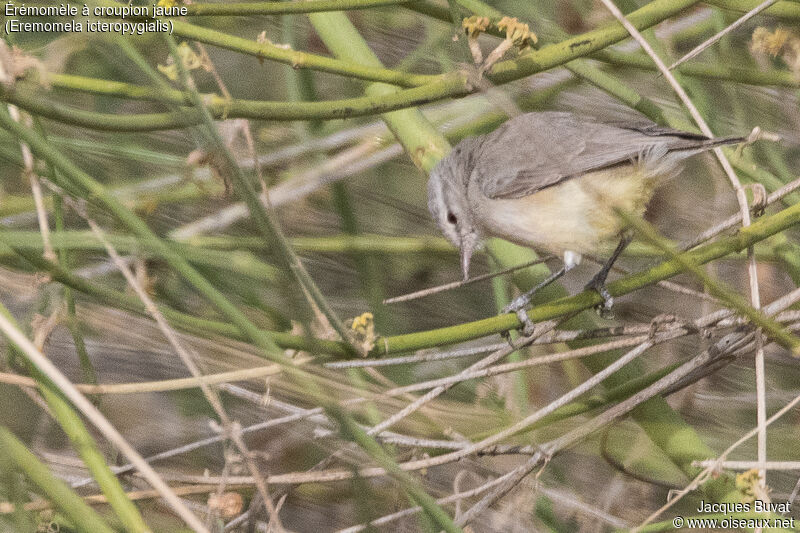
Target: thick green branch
[745, 238]
[433, 88]
[559, 53]
[214, 250]
[296, 58]
[772, 77]
[536, 61]
[786, 9]
[219, 107]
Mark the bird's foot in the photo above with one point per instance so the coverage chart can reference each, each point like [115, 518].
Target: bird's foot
[520, 303]
[528, 327]
[604, 309]
[519, 307]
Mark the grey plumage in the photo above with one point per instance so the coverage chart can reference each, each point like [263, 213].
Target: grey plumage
[545, 148]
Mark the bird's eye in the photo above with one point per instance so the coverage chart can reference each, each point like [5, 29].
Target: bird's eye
[451, 218]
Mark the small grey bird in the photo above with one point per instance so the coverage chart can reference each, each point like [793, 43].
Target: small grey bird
[551, 181]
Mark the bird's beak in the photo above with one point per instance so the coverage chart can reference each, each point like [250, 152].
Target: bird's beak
[468, 243]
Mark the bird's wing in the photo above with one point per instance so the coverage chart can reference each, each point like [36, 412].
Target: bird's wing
[539, 150]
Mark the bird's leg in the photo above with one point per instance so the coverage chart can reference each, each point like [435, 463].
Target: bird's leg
[519, 303]
[598, 282]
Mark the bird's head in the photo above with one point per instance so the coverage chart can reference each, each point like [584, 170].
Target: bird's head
[449, 205]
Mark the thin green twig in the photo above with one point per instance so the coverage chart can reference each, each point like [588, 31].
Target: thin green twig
[84, 445]
[717, 288]
[16, 456]
[263, 218]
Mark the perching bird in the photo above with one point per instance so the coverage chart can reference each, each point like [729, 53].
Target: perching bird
[552, 181]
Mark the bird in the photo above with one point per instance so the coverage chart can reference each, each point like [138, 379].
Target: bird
[553, 181]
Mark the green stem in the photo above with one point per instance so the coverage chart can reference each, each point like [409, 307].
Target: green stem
[74, 179]
[786, 9]
[296, 58]
[187, 322]
[263, 218]
[378, 101]
[420, 140]
[16, 455]
[715, 71]
[353, 431]
[718, 289]
[85, 446]
[219, 107]
[124, 43]
[364, 243]
[759, 231]
[89, 373]
[238, 261]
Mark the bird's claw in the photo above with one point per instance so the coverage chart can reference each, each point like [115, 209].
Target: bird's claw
[605, 309]
[527, 326]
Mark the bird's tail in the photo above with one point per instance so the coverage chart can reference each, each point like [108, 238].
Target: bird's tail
[694, 146]
[664, 161]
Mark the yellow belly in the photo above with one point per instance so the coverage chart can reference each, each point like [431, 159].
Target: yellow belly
[576, 215]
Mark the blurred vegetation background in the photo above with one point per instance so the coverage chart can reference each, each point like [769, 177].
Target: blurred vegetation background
[159, 148]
